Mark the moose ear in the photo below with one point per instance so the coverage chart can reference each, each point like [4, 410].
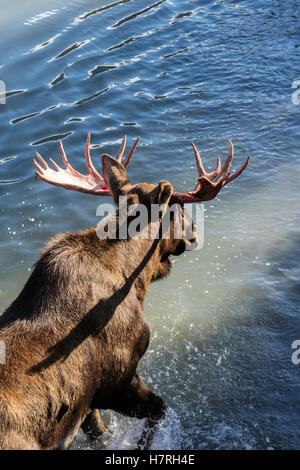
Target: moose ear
[162, 193]
[115, 176]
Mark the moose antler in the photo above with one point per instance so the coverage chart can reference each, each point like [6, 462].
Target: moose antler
[93, 183]
[67, 177]
[206, 189]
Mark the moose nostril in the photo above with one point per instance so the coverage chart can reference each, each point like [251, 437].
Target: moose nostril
[191, 243]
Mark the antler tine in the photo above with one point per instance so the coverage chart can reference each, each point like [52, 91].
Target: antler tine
[122, 148]
[130, 153]
[239, 171]
[91, 169]
[226, 167]
[63, 155]
[216, 172]
[42, 161]
[38, 167]
[206, 189]
[200, 166]
[66, 161]
[56, 166]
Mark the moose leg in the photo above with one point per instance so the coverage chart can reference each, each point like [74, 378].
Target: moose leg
[146, 439]
[139, 402]
[135, 400]
[93, 425]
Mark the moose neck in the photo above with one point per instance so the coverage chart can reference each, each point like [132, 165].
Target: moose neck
[137, 260]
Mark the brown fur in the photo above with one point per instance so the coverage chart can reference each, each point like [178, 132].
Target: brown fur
[75, 334]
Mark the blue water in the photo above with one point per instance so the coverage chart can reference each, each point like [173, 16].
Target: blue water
[173, 72]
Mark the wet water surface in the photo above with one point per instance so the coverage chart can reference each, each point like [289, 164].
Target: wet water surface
[173, 72]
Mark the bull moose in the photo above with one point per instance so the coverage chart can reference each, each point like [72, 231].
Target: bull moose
[76, 332]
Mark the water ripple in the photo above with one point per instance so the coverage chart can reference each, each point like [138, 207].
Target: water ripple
[40, 16]
[176, 74]
[32, 115]
[105, 90]
[11, 181]
[136, 38]
[151, 8]
[7, 159]
[69, 49]
[52, 138]
[97, 11]
[75, 119]
[7, 94]
[101, 69]
[177, 52]
[43, 44]
[59, 78]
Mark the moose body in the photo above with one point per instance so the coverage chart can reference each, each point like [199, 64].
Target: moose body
[75, 334]
[74, 338]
